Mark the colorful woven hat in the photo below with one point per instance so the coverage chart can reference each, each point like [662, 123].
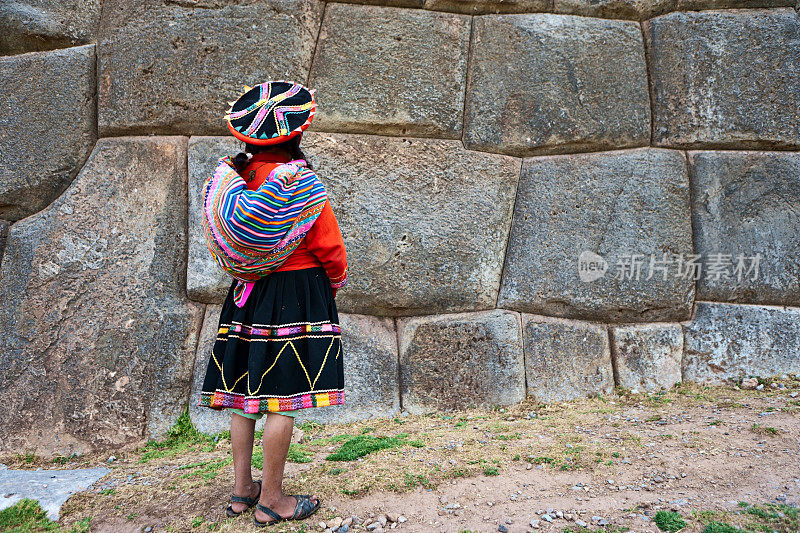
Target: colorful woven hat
[271, 112]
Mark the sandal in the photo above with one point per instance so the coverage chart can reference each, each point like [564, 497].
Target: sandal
[243, 499]
[305, 508]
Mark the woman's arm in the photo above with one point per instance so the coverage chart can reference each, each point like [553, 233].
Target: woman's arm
[325, 241]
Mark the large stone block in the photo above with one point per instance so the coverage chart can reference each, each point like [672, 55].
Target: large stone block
[566, 359]
[471, 7]
[629, 207]
[369, 347]
[543, 84]
[647, 356]
[645, 9]
[47, 126]
[205, 280]
[391, 70]
[99, 338]
[459, 361]
[34, 25]
[425, 222]
[172, 69]
[725, 79]
[478, 7]
[372, 389]
[746, 226]
[726, 342]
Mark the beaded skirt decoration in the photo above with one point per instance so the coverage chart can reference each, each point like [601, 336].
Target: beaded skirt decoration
[282, 351]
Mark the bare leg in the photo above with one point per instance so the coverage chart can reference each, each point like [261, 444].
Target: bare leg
[277, 436]
[242, 431]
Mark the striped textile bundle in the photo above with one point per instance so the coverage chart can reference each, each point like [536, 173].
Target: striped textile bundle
[251, 233]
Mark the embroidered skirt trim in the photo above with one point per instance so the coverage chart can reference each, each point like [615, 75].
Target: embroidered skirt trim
[259, 404]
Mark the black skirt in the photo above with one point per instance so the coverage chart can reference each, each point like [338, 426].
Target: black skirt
[281, 351]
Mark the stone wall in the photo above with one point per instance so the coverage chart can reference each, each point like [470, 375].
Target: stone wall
[526, 188]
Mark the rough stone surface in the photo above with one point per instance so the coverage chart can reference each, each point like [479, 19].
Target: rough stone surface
[744, 204]
[725, 79]
[626, 206]
[565, 359]
[726, 342]
[647, 356]
[32, 25]
[645, 9]
[478, 7]
[557, 91]
[417, 85]
[4, 225]
[425, 222]
[471, 7]
[45, 135]
[172, 69]
[460, 361]
[99, 338]
[205, 280]
[204, 419]
[369, 345]
[52, 488]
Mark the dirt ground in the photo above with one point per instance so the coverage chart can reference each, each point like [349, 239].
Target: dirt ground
[609, 463]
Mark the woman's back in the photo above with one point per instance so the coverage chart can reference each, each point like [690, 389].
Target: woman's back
[323, 245]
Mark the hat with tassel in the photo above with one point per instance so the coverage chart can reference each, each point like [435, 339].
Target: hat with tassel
[271, 112]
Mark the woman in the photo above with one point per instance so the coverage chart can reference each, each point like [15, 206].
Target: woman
[270, 225]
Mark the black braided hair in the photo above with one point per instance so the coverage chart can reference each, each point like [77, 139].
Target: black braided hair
[292, 146]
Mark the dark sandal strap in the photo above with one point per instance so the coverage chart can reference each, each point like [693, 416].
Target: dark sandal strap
[266, 510]
[305, 507]
[230, 512]
[247, 499]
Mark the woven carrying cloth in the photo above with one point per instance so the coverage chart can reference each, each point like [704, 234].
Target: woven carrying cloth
[251, 233]
[271, 112]
[280, 352]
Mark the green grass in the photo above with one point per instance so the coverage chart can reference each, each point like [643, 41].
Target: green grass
[82, 525]
[62, 460]
[509, 437]
[207, 470]
[764, 430]
[333, 439]
[26, 516]
[257, 461]
[180, 438]
[412, 480]
[669, 521]
[721, 527]
[362, 445]
[772, 516]
[298, 454]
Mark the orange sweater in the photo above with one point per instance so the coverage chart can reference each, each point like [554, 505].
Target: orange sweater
[322, 245]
